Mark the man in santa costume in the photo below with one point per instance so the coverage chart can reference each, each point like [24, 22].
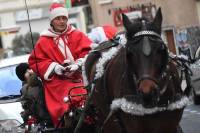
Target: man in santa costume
[56, 58]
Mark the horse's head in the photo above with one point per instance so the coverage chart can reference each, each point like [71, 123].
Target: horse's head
[146, 53]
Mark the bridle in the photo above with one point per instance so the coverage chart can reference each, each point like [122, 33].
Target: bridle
[164, 74]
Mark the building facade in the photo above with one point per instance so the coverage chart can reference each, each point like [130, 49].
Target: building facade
[180, 18]
[177, 14]
[14, 18]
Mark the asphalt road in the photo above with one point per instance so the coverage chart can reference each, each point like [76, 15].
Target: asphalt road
[190, 122]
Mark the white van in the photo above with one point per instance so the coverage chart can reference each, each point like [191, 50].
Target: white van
[10, 106]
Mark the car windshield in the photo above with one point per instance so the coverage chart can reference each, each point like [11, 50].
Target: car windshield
[10, 84]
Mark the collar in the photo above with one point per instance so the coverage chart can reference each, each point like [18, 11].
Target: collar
[51, 33]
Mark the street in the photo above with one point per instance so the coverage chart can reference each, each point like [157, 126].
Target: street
[190, 122]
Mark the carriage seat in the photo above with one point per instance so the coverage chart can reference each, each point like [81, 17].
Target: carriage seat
[110, 43]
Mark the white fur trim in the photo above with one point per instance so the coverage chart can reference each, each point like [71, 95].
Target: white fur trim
[51, 33]
[49, 70]
[106, 56]
[48, 33]
[59, 11]
[67, 61]
[56, 1]
[138, 109]
[61, 46]
[122, 39]
[85, 80]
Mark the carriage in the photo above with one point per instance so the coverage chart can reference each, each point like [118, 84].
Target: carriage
[133, 84]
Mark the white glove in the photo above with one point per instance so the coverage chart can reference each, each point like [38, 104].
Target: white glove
[76, 65]
[59, 70]
[73, 67]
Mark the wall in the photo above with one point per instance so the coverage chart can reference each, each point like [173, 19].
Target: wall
[7, 19]
[178, 13]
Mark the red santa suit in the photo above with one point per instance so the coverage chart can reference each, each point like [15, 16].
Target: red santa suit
[52, 49]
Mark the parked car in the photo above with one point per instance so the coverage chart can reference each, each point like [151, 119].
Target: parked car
[10, 106]
[195, 67]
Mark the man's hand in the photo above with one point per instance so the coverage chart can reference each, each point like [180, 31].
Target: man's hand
[71, 70]
[73, 67]
[59, 70]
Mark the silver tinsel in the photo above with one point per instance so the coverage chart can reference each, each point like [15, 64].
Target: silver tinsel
[138, 109]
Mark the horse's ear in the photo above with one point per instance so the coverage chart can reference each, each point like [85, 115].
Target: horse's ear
[158, 20]
[127, 23]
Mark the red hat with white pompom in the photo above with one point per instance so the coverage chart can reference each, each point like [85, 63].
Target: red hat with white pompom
[56, 9]
[109, 31]
[102, 33]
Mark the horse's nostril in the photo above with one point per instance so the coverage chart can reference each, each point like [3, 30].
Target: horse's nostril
[146, 86]
[145, 89]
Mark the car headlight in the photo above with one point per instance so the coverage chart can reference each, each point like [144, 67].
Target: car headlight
[10, 126]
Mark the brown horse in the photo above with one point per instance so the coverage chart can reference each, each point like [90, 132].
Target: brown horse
[136, 87]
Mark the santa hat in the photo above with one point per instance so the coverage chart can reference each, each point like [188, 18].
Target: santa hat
[110, 31]
[103, 33]
[56, 9]
[21, 70]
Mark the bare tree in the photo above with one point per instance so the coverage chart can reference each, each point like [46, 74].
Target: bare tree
[22, 44]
